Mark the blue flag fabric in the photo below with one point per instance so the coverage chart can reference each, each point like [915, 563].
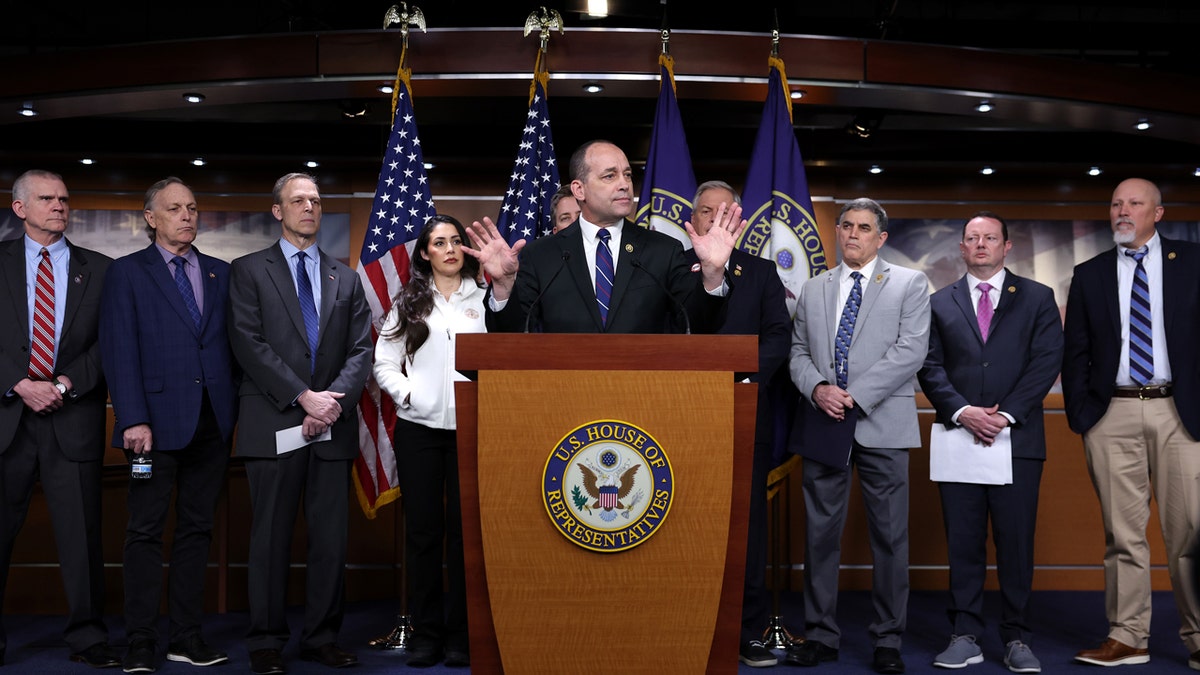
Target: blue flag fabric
[525, 213]
[776, 201]
[670, 183]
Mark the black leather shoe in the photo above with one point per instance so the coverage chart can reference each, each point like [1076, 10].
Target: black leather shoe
[139, 658]
[330, 655]
[266, 662]
[457, 658]
[423, 656]
[194, 650]
[810, 653]
[99, 655]
[887, 661]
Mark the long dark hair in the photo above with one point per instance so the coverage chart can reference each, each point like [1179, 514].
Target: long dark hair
[414, 302]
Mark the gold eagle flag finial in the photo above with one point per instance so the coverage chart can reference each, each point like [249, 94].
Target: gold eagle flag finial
[401, 14]
[544, 20]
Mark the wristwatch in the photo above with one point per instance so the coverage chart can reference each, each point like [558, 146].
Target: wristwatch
[62, 388]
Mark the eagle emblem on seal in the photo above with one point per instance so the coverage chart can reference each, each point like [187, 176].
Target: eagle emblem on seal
[608, 482]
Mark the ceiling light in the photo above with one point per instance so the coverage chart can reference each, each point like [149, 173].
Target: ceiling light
[797, 94]
[876, 169]
[864, 124]
[385, 89]
[984, 106]
[199, 161]
[987, 171]
[593, 87]
[312, 164]
[429, 165]
[597, 8]
[193, 98]
[87, 161]
[27, 110]
[1095, 171]
[1143, 124]
[1196, 173]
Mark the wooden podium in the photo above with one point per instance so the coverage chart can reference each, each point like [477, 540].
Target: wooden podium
[538, 600]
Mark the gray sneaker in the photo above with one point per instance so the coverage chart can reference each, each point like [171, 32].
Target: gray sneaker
[1020, 659]
[961, 653]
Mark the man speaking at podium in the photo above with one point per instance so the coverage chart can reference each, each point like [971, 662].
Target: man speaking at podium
[607, 275]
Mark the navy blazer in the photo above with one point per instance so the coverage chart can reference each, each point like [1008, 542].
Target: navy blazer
[1093, 333]
[1015, 368]
[638, 305]
[158, 363]
[79, 424]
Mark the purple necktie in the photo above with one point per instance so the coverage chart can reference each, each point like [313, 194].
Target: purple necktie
[984, 312]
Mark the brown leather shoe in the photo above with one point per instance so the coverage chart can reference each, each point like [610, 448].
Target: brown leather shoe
[1113, 653]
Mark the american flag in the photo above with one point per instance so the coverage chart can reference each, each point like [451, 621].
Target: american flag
[525, 213]
[402, 205]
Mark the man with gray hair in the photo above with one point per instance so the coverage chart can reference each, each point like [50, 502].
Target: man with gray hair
[860, 335]
[165, 346]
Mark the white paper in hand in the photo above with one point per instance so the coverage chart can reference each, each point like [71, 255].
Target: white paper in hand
[955, 457]
[287, 440]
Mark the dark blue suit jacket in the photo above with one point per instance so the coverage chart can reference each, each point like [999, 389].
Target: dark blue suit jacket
[1093, 332]
[1015, 368]
[158, 364]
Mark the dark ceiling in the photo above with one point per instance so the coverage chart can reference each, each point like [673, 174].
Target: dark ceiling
[1156, 35]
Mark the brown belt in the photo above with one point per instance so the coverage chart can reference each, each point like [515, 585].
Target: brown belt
[1144, 393]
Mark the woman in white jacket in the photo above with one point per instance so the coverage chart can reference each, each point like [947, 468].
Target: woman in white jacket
[414, 364]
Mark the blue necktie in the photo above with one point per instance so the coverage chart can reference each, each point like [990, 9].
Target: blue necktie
[308, 308]
[604, 273]
[1141, 342]
[845, 332]
[185, 289]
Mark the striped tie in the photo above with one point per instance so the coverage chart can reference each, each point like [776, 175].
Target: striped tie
[604, 273]
[41, 354]
[1141, 341]
[185, 289]
[845, 330]
[308, 308]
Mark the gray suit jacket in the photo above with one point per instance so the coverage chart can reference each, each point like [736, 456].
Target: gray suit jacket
[891, 339]
[266, 332]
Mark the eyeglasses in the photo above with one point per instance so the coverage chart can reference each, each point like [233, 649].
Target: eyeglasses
[991, 240]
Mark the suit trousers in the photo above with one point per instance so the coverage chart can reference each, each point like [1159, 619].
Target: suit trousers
[883, 473]
[756, 602]
[278, 486]
[427, 461]
[1012, 509]
[1138, 448]
[72, 491]
[196, 473]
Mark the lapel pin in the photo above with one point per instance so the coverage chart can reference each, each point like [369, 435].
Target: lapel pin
[79, 278]
[1171, 255]
[695, 267]
[629, 248]
[331, 277]
[737, 270]
[1012, 289]
[879, 278]
[211, 275]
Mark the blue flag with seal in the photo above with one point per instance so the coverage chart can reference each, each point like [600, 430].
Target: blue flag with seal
[776, 201]
[525, 213]
[666, 199]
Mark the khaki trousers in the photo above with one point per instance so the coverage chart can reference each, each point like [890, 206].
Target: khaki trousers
[1140, 447]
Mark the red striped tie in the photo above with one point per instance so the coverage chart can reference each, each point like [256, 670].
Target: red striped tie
[41, 356]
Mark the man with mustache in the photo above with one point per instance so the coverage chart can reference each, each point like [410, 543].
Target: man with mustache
[1131, 384]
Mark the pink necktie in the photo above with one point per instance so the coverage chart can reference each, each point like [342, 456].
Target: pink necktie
[984, 312]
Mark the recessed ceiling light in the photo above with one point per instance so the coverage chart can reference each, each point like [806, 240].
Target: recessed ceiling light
[593, 87]
[798, 94]
[27, 110]
[199, 161]
[385, 89]
[876, 169]
[1143, 124]
[429, 165]
[312, 164]
[193, 97]
[1196, 173]
[87, 161]
[984, 106]
[987, 171]
[597, 9]
[1095, 171]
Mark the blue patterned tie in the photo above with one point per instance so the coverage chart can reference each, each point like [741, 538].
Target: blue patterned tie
[1141, 342]
[185, 289]
[604, 273]
[841, 346]
[308, 308]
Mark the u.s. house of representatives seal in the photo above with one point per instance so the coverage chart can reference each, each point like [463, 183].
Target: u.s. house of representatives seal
[608, 485]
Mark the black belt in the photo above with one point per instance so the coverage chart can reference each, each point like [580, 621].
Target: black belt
[1144, 393]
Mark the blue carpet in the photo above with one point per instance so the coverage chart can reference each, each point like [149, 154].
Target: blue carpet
[1064, 623]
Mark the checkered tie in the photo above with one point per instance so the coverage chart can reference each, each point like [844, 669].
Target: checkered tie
[604, 273]
[983, 313]
[1141, 342]
[185, 289]
[846, 329]
[41, 354]
[308, 308]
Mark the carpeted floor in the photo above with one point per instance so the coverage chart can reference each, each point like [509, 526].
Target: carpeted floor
[1064, 622]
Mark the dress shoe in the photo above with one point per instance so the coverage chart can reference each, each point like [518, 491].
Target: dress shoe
[330, 655]
[456, 658]
[887, 661]
[194, 650]
[139, 658]
[810, 653]
[423, 656]
[1113, 653]
[99, 655]
[266, 662]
